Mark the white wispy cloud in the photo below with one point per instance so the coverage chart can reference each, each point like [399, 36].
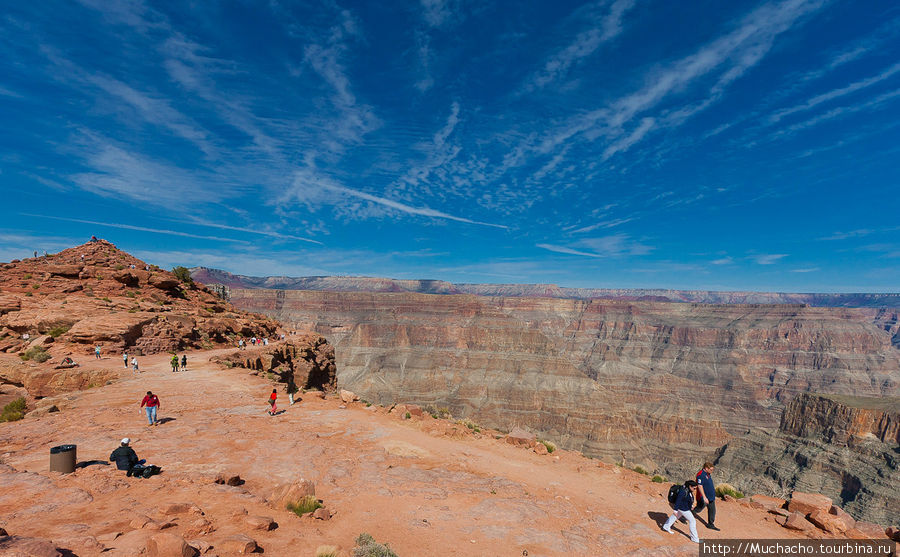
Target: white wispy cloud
[722, 261]
[138, 228]
[583, 45]
[805, 270]
[616, 245]
[603, 224]
[438, 13]
[624, 143]
[269, 233]
[6, 92]
[310, 186]
[836, 93]
[768, 258]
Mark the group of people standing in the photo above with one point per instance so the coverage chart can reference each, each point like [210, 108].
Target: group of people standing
[174, 362]
[705, 496]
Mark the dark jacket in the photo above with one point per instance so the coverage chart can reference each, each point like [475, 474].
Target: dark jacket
[125, 458]
[685, 500]
[706, 484]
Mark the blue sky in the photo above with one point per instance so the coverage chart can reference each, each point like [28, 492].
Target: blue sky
[623, 143]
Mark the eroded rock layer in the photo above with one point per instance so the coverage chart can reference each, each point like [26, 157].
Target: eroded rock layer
[648, 380]
[843, 447]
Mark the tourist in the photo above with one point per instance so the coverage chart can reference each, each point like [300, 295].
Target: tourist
[683, 505]
[151, 406]
[184, 362]
[174, 363]
[124, 457]
[706, 494]
[240, 344]
[134, 365]
[125, 359]
[97, 351]
[274, 409]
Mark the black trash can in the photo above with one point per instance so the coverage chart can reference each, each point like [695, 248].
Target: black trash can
[62, 458]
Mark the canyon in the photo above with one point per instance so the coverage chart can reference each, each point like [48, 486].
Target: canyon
[659, 384]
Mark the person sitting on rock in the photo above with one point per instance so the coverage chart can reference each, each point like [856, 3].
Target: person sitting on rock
[683, 505]
[125, 457]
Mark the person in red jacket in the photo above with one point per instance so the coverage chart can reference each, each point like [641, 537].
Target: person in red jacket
[150, 404]
[272, 398]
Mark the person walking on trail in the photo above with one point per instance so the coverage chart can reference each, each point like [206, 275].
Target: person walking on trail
[125, 359]
[706, 494]
[97, 351]
[274, 409]
[174, 363]
[683, 505]
[151, 406]
[184, 362]
[134, 365]
[240, 344]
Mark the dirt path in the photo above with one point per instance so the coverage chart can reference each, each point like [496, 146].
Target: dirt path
[427, 487]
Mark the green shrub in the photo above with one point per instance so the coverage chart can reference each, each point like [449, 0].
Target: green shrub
[306, 505]
[56, 332]
[119, 267]
[366, 546]
[36, 353]
[182, 274]
[326, 551]
[657, 479]
[641, 470]
[550, 446]
[724, 489]
[27, 276]
[35, 286]
[408, 415]
[13, 411]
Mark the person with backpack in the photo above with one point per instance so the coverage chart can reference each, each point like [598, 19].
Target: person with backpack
[682, 504]
[125, 457]
[706, 494]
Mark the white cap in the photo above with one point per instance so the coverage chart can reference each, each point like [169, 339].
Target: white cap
[126, 440]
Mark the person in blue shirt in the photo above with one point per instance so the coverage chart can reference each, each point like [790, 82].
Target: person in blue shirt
[683, 505]
[707, 494]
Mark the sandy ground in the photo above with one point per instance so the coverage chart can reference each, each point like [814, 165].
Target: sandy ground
[426, 487]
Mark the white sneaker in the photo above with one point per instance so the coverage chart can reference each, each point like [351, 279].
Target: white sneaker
[698, 540]
[668, 530]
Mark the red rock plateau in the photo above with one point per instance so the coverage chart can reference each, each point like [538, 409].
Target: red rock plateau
[424, 486]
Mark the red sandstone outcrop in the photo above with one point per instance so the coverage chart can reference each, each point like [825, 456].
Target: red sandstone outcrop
[305, 361]
[96, 295]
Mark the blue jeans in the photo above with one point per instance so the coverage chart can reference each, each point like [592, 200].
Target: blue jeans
[151, 414]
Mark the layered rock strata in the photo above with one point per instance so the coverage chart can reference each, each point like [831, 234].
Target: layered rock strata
[844, 447]
[651, 381]
[305, 361]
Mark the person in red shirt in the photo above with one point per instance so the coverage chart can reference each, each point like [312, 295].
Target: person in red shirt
[272, 398]
[150, 404]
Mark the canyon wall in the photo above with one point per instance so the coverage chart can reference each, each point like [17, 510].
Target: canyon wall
[845, 447]
[652, 382]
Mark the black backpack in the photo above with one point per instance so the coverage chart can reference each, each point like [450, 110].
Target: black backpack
[673, 494]
[150, 470]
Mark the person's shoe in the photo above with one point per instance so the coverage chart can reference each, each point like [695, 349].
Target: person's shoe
[664, 529]
[698, 540]
[713, 527]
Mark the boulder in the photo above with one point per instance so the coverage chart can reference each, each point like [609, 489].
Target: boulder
[348, 396]
[68, 271]
[806, 503]
[127, 278]
[893, 532]
[18, 546]
[870, 531]
[767, 503]
[260, 522]
[540, 448]
[163, 282]
[519, 436]
[169, 545]
[292, 493]
[175, 508]
[322, 514]
[842, 515]
[240, 544]
[229, 479]
[199, 527]
[8, 303]
[413, 410]
[796, 521]
[828, 522]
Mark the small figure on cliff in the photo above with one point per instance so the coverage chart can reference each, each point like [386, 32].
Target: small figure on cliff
[150, 404]
[273, 409]
[240, 344]
[706, 494]
[184, 362]
[683, 505]
[125, 359]
[97, 351]
[134, 365]
[174, 363]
